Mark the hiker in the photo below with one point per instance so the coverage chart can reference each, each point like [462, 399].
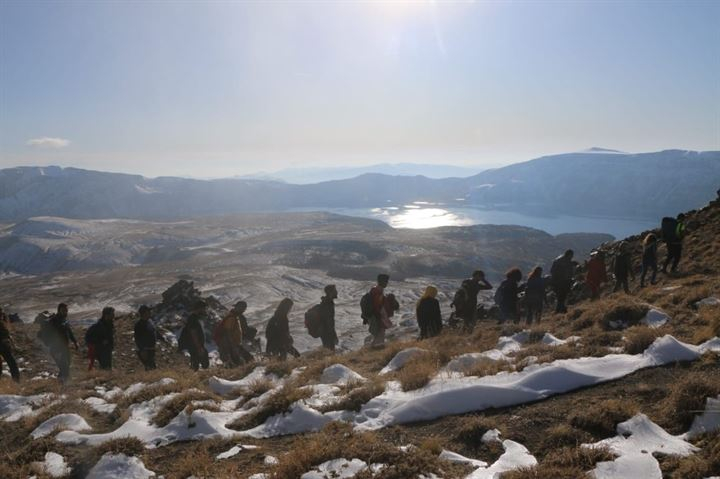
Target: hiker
[277, 332]
[145, 338]
[428, 314]
[379, 320]
[535, 295]
[229, 338]
[328, 335]
[596, 273]
[57, 335]
[472, 287]
[192, 337]
[100, 339]
[649, 259]
[561, 276]
[248, 332]
[7, 346]
[508, 297]
[673, 231]
[623, 268]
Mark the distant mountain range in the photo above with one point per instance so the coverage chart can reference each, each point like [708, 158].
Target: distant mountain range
[590, 183]
[303, 176]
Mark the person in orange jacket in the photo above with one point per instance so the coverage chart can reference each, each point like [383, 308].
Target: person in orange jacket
[596, 273]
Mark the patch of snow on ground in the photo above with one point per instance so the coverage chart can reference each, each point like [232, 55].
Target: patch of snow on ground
[234, 451]
[339, 374]
[637, 440]
[709, 301]
[54, 465]
[401, 359]
[119, 465]
[225, 387]
[64, 422]
[515, 456]
[551, 340]
[455, 457]
[13, 407]
[100, 405]
[336, 469]
[655, 318]
[271, 461]
[300, 419]
[708, 421]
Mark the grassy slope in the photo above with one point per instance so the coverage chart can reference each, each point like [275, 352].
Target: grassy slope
[551, 429]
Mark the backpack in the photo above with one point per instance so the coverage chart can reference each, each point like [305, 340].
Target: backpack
[460, 300]
[498, 296]
[669, 228]
[313, 321]
[366, 307]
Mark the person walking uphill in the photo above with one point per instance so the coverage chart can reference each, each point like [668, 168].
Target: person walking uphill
[192, 337]
[596, 273]
[508, 295]
[229, 337]
[561, 276]
[7, 346]
[472, 287]
[320, 319]
[277, 332]
[673, 231]
[375, 310]
[535, 295]
[100, 339]
[145, 338]
[57, 335]
[623, 268]
[428, 314]
[649, 259]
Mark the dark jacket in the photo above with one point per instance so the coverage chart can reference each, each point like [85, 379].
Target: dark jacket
[509, 298]
[472, 288]
[248, 332]
[192, 336]
[4, 330]
[279, 340]
[145, 335]
[623, 265]
[535, 290]
[562, 270]
[650, 254]
[429, 317]
[326, 311]
[101, 335]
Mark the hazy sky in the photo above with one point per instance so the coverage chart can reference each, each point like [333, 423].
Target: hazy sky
[224, 88]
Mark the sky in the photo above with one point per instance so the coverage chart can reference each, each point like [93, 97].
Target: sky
[223, 88]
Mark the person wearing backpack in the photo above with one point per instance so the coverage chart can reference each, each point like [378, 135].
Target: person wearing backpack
[192, 337]
[623, 268]
[561, 277]
[473, 286]
[326, 315]
[649, 259]
[673, 231]
[277, 332]
[535, 295]
[508, 301]
[7, 345]
[100, 339]
[379, 319]
[596, 273]
[428, 314]
[57, 335]
[227, 335]
[145, 338]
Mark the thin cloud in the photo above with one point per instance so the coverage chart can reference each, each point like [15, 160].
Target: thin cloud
[47, 142]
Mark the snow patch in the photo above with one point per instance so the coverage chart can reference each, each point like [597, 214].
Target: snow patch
[54, 465]
[65, 422]
[708, 421]
[225, 387]
[339, 374]
[401, 359]
[336, 469]
[300, 419]
[234, 451]
[655, 318]
[13, 407]
[119, 465]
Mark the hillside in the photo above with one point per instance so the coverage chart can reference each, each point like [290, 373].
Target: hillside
[508, 401]
[588, 183]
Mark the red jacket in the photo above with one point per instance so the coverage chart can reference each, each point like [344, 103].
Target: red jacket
[596, 273]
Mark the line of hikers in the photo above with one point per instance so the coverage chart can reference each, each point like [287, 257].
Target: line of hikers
[233, 333]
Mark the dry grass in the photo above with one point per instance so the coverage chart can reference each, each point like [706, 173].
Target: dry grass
[255, 388]
[417, 372]
[639, 338]
[278, 402]
[685, 398]
[473, 429]
[179, 403]
[564, 463]
[704, 463]
[339, 440]
[601, 419]
[487, 367]
[357, 395]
